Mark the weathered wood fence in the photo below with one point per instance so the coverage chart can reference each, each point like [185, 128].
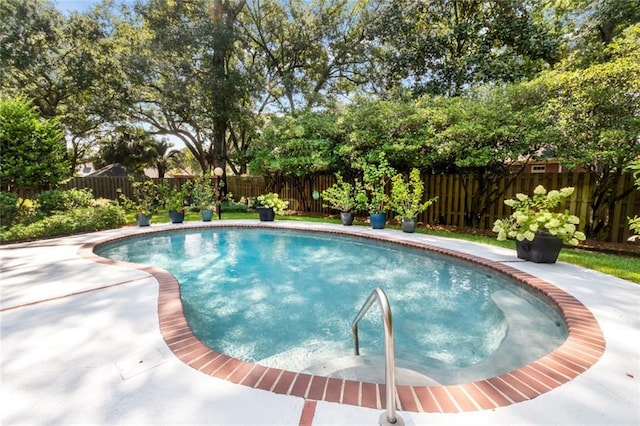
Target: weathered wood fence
[453, 200]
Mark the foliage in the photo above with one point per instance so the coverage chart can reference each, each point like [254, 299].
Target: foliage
[595, 112]
[131, 147]
[146, 197]
[272, 200]
[294, 146]
[181, 58]
[344, 196]
[88, 219]
[230, 206]
[634, 222]
[306, 53]
[533, 215]
[32, 149]
[203, 193]
[68, 66]
[445, 47]
[175, 197]
[8, 208]
[399, 129]
[375, 180]
[59, 200]
[406, 196]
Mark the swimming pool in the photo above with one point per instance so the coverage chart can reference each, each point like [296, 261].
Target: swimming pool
[439, 332]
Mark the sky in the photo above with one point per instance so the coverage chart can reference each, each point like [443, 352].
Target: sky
[79, 5]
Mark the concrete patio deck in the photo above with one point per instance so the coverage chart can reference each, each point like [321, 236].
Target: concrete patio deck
[81, 344]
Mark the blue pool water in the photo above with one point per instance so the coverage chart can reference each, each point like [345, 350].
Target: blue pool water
[286, 299]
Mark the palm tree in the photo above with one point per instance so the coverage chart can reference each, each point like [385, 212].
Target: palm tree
[164, 158]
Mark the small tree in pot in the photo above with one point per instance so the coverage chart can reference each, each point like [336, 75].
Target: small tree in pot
[174, 199]
[204, 197]
[345, 197]
[406, 199]
[145, 194]
[375, 180]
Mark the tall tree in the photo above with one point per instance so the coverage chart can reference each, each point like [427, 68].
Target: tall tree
[179, 58]
[446, 46]
[596, 112]
[311, 53]
[65, 64]
[133, 148]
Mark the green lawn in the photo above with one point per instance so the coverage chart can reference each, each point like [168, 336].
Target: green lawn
[625, 267]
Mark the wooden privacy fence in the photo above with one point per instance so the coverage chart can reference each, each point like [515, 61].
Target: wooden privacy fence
[453, 200]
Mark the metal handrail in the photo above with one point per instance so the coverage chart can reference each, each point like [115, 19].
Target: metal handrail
[389, 350]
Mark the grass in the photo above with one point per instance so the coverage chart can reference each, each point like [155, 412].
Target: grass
[625, 267]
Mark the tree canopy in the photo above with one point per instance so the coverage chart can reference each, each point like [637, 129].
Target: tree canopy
[32, 148]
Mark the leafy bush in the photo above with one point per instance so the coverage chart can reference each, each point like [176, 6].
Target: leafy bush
[58, 200]
[406, 196]
[104, 215]
[533, 215]
[33, 149]
[8, 208]
[344, 196]
[230, 206]
[272, 200]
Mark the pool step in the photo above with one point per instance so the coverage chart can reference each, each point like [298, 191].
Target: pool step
[370, 369]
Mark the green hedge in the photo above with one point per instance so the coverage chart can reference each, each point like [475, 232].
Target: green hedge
[87, 219]
[8, 208]
[62, 200]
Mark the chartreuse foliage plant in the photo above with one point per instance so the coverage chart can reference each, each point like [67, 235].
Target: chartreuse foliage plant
[344, 196]
[272, 200]
[534, 214]
[375, 180]
[406, 195]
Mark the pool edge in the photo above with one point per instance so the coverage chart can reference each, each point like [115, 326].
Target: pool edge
[583, 347]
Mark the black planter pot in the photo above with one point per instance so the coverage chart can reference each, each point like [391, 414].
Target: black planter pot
[409, 225]
[176, 216]
[347, 218]
[543, 249]
[266, 214]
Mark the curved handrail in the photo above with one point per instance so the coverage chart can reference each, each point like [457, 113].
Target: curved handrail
[389, 350]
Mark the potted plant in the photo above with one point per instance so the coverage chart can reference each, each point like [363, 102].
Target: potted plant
[174, 201]
[345, 197]
[375, 180]
[406, 199]
[539, 232]
[204, 197]
[145, 200]
[270, 205]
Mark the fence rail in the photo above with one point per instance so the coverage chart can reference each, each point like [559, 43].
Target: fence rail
[449, 210]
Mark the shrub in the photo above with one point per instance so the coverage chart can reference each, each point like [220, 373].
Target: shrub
[534, 214]
[272, 200]
[230, 206]
[105, 215]
[8, 208]
[58, 200]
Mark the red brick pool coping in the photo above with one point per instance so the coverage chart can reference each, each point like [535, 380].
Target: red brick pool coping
[583, 347]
